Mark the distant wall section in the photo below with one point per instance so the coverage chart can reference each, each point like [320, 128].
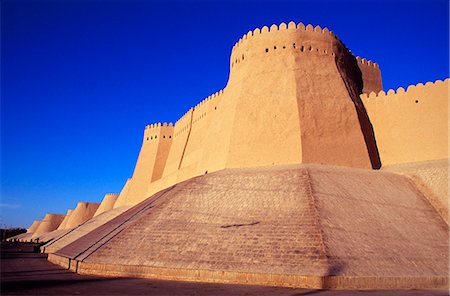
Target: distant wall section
[63, 224]
[83, 212]
[49, 223]
[371, 75]
[34, 226]
[107, 203]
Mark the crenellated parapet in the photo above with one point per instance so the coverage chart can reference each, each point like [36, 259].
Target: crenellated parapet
[419, 87]
[265, 31]
[158, 131]
[159, 124]
[209, 98]
[292, 36]
[272, 45]
[364, 61]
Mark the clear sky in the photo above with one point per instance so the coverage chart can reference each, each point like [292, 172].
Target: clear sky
[81, 79]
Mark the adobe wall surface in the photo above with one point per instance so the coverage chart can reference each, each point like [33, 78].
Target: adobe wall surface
[303, 226]
[68, 237]
[33, 226]
[292, 97]
[83, 212]
[121, 200]
[48, 224]
[66, 218]
[309, 91]
[107, 203]
[371, 76]
[411, 125]
[151, 161]
[432, 178]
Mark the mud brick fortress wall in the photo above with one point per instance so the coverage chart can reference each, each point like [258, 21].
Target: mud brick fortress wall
[274, 180]
[410, 125]
[293, 96]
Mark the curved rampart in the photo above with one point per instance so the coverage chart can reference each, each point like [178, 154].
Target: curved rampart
[411, 125]
[49, 223]
[66, 218]
[123, 195]
[107, 203]
[83, 212]
[34, 226]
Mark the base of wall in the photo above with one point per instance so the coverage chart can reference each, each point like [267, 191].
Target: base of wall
[230, 277]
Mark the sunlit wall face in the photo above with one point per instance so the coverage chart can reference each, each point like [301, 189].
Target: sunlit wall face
[80, 79]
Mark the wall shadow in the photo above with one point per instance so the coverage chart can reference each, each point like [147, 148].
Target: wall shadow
[347, 66]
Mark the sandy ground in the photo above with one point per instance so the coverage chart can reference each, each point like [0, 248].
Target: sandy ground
[24, 272]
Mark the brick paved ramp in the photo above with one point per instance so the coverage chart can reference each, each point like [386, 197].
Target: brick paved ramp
[60, 239]
[431, 177]
[302, 226]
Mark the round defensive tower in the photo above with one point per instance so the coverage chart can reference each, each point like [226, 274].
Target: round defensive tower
[34, 226]
[107, 203]
[66, 218]
[83, 212]
[297, 99]
[49, 223]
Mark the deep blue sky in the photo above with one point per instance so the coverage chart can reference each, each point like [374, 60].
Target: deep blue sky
[81, 79]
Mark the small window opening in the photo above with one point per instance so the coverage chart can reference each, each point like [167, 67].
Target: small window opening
[310, 48]
[147, 138]
[293, 45]
[302, 49]
[267, 50]
[215, 108]
[164, 137]
[417, 101]
[170, 137]
[151, 138]
[156, 137]
[242, 57]
[284, 47]
[206, 172]
[274, 47]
